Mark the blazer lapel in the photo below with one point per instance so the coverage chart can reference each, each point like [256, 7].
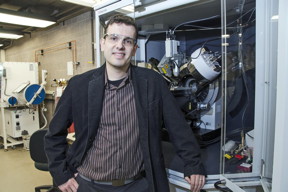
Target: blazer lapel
[95, 101]
[140, 85]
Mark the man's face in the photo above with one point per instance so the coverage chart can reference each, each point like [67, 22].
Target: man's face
[116, 46]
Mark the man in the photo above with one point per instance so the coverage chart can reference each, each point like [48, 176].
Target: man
[117, 111]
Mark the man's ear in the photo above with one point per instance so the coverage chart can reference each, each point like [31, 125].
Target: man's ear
[134, 50]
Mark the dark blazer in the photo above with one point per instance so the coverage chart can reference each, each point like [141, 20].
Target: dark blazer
[81, 103]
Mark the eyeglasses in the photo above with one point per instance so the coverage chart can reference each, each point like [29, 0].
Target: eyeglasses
[115, 38]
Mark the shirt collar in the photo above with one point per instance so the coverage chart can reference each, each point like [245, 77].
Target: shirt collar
[127, 77]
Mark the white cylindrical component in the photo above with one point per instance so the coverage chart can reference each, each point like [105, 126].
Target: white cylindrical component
[168, 48]
[207, 71]
[176, 71]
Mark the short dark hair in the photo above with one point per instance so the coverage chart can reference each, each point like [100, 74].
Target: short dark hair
[119, 18]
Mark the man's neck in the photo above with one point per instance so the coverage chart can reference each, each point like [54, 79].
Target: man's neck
[116, 73]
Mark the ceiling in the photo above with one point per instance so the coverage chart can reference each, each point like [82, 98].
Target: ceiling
[60, 11]
[56, 9]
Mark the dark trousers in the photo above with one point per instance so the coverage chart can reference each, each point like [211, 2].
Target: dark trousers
[140, 185]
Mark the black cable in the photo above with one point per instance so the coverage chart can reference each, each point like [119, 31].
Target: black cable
[195, 21]
[251, 10]
[224, 189]
[249, 135]
[200, 51]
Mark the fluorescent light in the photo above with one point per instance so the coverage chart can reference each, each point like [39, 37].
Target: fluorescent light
[129, 8]
[26, 19]
[10, 36]
[19, 20]
[87, 3]
[1, 45]
[96, 4]
[102, 3]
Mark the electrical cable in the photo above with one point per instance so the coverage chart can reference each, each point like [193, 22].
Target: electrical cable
[199, 50]
[213, 17]
[241, 62]
[5, 87]
[195, 21]
[253, 10]
[203, 27]
[45, 119]
[251, 15]
[224, 189]
[249, 135]
[203, 43]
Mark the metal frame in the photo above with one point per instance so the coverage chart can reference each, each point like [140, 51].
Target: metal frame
[280, 165]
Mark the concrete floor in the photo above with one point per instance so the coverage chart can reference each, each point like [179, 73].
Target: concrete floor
[18, 174]
[17, 171]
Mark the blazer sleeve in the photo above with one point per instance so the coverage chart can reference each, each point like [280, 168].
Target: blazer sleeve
[181, 134]
[56, 139]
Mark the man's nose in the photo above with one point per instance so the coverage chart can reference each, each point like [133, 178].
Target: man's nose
[120, 44]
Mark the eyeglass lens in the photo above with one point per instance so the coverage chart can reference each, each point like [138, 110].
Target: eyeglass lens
[114, 38]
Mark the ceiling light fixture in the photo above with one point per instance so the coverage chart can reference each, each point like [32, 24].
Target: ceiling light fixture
[10, 36]
[87, 3]
[128, 9]
[92, 3]
[18, 18]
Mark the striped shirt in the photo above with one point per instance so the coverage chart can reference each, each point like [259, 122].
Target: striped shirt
[116, 152]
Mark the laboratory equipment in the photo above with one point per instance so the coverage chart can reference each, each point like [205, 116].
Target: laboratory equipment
[219, 28]
[20, 95]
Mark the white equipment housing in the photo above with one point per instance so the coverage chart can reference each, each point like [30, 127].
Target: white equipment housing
[19, 83]
[16, 78]
[17, 121]
[211, 120]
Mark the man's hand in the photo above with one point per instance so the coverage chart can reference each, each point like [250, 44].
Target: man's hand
[70, 186]
[196, 182]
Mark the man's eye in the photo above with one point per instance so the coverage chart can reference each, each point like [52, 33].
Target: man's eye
[113, 38]
[129, 41]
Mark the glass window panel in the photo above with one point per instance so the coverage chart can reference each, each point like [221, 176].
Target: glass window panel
[238, 83]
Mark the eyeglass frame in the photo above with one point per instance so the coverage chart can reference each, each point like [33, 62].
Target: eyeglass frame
[123, 39]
